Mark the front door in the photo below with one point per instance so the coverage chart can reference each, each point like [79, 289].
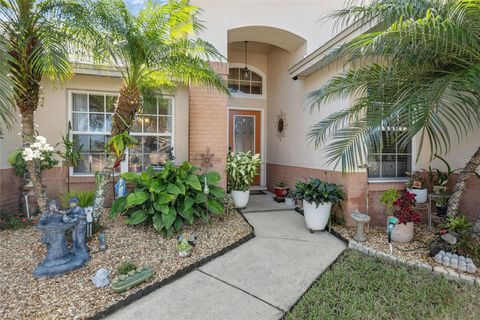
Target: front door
[244, 133]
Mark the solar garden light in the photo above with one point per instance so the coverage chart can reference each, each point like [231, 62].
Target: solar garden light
[392, 222]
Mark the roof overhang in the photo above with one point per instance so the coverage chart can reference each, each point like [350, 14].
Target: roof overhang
[314, 61]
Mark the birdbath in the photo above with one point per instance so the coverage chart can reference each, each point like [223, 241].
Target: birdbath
[59, 258]
[361, 219]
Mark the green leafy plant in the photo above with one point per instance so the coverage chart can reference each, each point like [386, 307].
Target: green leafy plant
[242, 168]
[119, 142]
[72, 152]
[319, 192]
[388, 198]
[85, 198]
[16, 160]
[442, 202]
[126, 267]
[14, 222]
[170, 198]
[458, 223]
[280, 185]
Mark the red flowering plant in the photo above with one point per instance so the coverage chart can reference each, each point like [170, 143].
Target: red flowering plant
[405, 208]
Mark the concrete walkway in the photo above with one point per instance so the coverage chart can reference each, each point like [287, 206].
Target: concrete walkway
[261, 279]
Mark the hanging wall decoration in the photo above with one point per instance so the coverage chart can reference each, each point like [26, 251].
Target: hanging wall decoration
[281, 124]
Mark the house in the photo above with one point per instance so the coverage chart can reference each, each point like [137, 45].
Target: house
[273, 51]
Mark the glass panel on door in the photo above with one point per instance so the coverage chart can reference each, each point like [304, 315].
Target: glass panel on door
[244, 133]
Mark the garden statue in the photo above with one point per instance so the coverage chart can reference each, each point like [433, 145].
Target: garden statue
[59, 258]
[77, 213]
[101, 278]
[120, 188]
[361, 219]
[102, 242]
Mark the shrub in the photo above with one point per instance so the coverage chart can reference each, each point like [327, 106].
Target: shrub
[85, 198]
[170, 198]
[458, 224]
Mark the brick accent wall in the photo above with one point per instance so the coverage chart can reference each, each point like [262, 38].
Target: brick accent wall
[208, 123]
[356, 186]
[55, 181]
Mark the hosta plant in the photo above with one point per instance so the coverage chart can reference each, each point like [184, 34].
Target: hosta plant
[242, 168]
[170, 198]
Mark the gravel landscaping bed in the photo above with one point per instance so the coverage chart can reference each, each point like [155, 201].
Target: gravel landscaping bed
[73, 295]
[418, 249]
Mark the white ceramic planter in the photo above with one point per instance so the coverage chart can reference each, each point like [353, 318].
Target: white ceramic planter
[240, 198]
[316, 218]
[289, 202]
[421, 194]
[403, 232]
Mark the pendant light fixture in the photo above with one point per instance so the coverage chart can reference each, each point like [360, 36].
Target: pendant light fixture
[245, 71]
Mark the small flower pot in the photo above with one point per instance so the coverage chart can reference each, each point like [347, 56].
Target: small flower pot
[281, 192]
[420, 194]
[289, 202]
[403, 232]
[240, 198]
[316, 218]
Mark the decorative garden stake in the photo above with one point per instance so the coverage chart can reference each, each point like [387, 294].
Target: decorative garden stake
[89, 211]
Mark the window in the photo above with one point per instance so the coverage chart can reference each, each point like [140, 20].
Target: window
[237, 82]
[391, 160]
[91, 116]
[154, 130]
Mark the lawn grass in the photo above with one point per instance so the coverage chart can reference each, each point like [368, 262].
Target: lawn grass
[362, 287]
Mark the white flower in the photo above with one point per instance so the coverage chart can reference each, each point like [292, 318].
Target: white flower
[41, 139]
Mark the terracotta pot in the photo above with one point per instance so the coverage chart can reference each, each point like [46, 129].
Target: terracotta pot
[281, 192]
[403, 232]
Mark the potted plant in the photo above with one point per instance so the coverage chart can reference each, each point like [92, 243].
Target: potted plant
[388, 198]
[416, 186]
[318, 198]
[407, 216]
[442, 205]
[290, 199]
[242, 167]
[281, 190]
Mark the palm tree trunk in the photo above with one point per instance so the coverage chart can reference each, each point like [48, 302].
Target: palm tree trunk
[467, 171]
[129, 101]
[28, 136]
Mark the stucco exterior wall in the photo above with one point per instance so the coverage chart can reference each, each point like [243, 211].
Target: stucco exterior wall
[52, 118]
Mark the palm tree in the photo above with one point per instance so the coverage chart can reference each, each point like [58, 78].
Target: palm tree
[151, 50]
[6, 99]
[418, 69]
[35, 38]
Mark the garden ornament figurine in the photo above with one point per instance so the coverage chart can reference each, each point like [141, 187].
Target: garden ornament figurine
[101, 278]
[392, 222]
[77, 213]
[102, 242]
[121, 188]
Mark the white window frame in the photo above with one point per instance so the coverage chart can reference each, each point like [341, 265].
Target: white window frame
[240, 94]
[125, 164]
[396, 154]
